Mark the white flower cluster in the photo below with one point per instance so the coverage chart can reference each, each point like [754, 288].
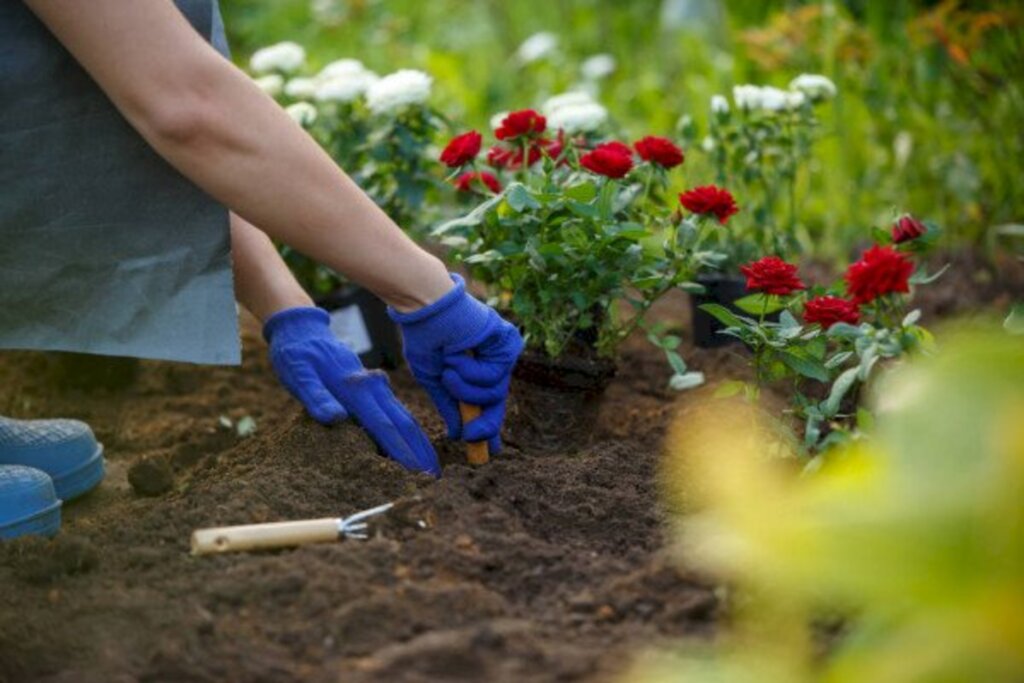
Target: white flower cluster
[344, 80]
[286, 57]
[536, 47]
[766, 98]
[574, 112]
[814, 86]
[398, 90]
[272, 84]
[806, 87]
[303, 113]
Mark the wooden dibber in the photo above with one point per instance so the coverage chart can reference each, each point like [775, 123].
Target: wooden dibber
[231, 539]
[477, 452]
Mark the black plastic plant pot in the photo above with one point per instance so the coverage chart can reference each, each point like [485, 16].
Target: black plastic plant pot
[718, 289]
[88, 372]
[360, 321]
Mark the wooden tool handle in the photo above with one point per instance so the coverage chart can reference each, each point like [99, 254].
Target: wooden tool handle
[476, 452]
[229, 539]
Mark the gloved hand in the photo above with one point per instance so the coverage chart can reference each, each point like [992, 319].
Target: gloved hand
[332, 384]
[460, 349]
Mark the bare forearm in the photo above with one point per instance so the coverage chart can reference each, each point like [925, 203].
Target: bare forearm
[207, 119]
[263, 283]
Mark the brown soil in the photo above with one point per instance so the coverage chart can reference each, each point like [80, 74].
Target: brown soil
[535, 567]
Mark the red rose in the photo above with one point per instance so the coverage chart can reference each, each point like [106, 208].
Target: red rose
[462, 149]
[467, 182]
[772, 275]
[880, 271]
[611, 159]
[520, 123]
[504, 157]
[907, 228]
[554, 148]
[829, 310]
[710, 199]
[660, 151]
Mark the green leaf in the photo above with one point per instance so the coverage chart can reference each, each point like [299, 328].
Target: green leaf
[841, 387]
[844, 331]
[520, 199]
[921, 277]
[805, 365]
[756, 304]
[689, 380]
[582, 192]
[1014, 323]
[692, 287]
[489, 256]
[838, 359]
[911, 318]
[730, 389]
[677, 362]
[722, 314]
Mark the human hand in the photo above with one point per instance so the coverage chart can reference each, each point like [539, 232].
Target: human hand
[331, 382]
[460, 349]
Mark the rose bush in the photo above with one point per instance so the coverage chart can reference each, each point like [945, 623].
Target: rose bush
[827, 339]
[574, 234]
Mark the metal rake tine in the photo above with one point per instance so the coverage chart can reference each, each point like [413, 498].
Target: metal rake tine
[359, 516]
[361, 526]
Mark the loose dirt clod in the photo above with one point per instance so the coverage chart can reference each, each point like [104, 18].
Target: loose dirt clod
[151, 476]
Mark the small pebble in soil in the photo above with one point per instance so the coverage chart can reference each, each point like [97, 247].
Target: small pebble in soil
[151, 476]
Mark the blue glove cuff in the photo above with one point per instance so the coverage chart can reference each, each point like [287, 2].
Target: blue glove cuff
[296, 324]
[455, 316]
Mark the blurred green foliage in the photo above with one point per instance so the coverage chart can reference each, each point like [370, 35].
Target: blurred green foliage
[905, 549]
[927, 119]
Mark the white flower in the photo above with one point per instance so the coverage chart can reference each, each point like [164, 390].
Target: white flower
[597, 67]
[345, 88]
[397, 90]
[270, 84]
[300, 88]
[568, 99]
[303, 113]
[497, 119]
[766, 98]
[747, 97]
[341, 67]
[578, 118]
[815, 86]
[773, 99]
[537, 46]
[707, 144]
[719, 105]
[795, 99]
[286, 57]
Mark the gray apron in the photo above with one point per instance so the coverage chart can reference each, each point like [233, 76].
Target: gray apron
[104, 248]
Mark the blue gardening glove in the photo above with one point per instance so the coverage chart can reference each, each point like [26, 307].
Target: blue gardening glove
[461, 350]
[330, 381]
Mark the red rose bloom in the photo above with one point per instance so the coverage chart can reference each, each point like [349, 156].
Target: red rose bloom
[467, 182]
[504, 157]
[660, 151]
[907, 228]
[710, 199]
[462, 149]
[829, 310]
[520, 123]
[880, 271]
[772, 275]
[611, 159]
[554, 148]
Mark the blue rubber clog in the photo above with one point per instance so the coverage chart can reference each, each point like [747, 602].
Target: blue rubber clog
[28, 503]
[64, 449]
